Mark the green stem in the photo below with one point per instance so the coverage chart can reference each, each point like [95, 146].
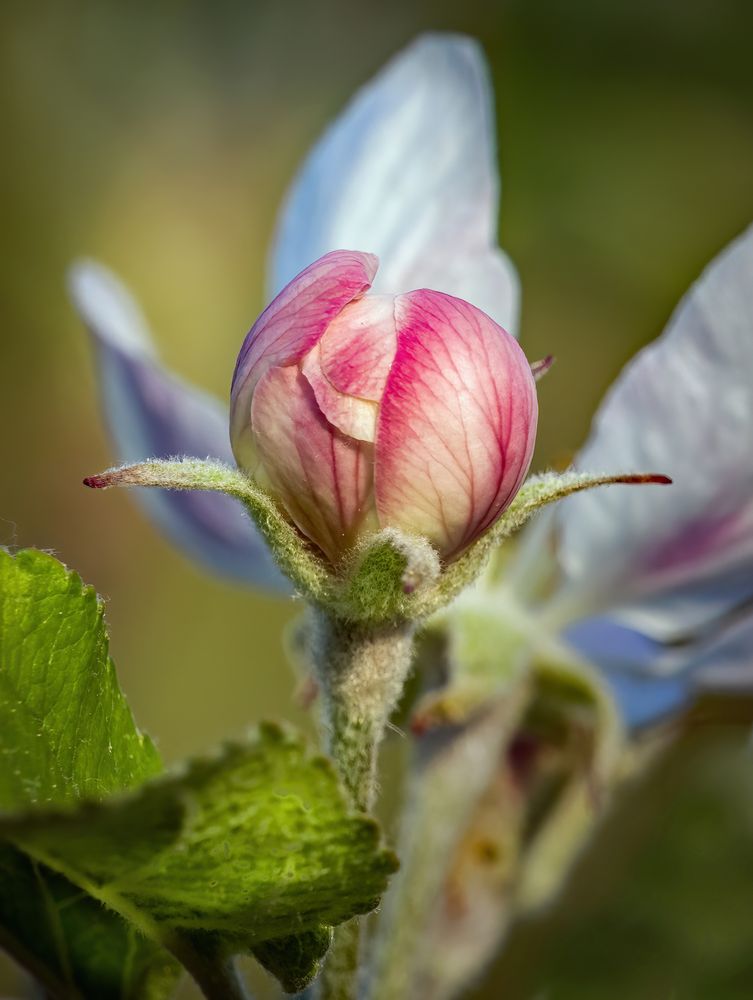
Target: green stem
[361, 673]
[217, 978]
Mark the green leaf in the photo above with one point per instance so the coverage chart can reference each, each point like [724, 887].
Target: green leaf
[66, 731]
[266, 845]
[74, 946]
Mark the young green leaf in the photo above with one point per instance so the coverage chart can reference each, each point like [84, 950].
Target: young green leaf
[65, 732]
[267, 849]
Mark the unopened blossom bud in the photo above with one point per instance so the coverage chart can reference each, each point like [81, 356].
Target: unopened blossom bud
[360, 412]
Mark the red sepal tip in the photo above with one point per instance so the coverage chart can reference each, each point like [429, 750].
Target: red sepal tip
[651, 477]
[540, 368]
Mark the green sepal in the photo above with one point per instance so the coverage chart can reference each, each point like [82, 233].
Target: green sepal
[536, 493]
[391, 576]
[298, 560]
[376, 590]
[384, 576]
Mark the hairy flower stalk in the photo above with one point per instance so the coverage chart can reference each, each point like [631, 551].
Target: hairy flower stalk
[361, 672]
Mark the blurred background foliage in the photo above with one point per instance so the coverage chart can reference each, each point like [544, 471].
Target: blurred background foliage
[160, 137]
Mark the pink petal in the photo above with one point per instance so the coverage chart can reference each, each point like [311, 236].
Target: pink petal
[457, 423]
[290, 326]
[359, 345]
[322, 478]
[348, 368]
[352, 415]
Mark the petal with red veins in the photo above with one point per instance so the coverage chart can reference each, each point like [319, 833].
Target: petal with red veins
[359, 345]
[457, 422]
[322, 477]
[671, 560]
[352, 415]
[348, 368]
[289, 327]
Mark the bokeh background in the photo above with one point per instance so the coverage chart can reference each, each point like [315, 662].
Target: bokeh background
[160, 137]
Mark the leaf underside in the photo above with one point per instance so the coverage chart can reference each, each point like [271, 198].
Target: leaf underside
[70, 942]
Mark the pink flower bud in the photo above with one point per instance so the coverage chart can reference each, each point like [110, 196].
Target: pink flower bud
[360, 412]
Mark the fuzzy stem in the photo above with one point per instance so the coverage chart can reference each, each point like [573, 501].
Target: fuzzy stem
[361, 672]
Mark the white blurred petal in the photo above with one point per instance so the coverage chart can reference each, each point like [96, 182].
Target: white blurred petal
[409, 172]
[726, 662]
[677, 557]
[153, 414]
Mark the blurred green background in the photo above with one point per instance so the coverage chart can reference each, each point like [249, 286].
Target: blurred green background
[160, 137]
